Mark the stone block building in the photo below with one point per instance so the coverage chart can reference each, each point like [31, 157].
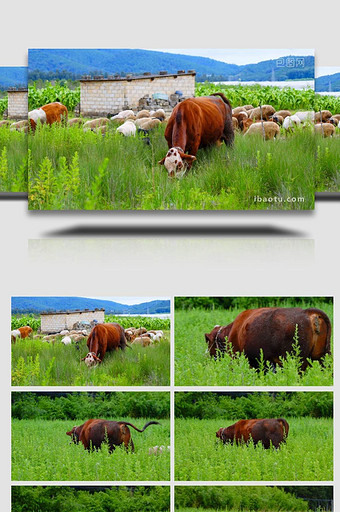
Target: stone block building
[17, 104]
[56, 321]
[101, 96]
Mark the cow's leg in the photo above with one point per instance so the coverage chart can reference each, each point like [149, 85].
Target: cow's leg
[132, 446]
[101, 353]
[112, 448]
[228, 132]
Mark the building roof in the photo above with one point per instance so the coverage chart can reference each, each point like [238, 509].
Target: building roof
[130, 77]
[17, 89]
[70, 312]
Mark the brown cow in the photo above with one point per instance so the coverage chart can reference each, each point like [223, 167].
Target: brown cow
[196, 123]
[48, 114]
[266, 431]
[21, 332]
[272, 331]
[93, 433]
[103, 338]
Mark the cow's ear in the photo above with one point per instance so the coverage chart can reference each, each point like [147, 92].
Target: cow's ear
[97, 358]
[161, 162]
[207, 337]
[187, 158]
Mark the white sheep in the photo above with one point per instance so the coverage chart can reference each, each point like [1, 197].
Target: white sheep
[66, 340]
[123, 114]
[307, 116]
[127, 129]
[291, 121]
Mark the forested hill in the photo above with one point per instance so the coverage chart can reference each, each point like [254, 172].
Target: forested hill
[36, 305]
[327, 83]
[13, 77]
[73, 63]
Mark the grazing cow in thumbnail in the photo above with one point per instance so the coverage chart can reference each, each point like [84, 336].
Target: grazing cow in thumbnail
[48, 114]
[196, 123]
[272, 330]
[21, 332]
[103, 338]
[265, 431]
[93, 433]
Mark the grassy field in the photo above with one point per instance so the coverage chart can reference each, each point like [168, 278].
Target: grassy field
[238, 510]
[41, 450]
[327, 171]
[307, 455]
[35, 363]
[94, 499]
[193, 366]
[250, 498]
[13, 161]
[70, 169]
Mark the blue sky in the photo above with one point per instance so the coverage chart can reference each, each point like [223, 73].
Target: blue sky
[239, 57]
[131, 300]
[326, 70]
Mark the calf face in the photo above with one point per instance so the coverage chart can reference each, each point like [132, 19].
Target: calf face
[91, 359]
[177, 162]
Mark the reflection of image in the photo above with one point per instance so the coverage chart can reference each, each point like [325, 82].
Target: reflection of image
[136, 109]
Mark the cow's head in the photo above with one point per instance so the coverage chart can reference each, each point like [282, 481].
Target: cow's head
[225, 434]
[211, 340]
[73, 433]
[177, 162]
[219, 433]
[91, 359]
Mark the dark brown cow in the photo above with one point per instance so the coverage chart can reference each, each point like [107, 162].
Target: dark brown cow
[103, 338]
[76, 431]
[196, 123]
[272, 331]
[265, 431]
[93, 433]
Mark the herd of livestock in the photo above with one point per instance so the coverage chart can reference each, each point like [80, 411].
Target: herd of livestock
[101, 339]
[194, 123]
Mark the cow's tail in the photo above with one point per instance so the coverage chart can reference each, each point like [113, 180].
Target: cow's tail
[322, 314]
[223, 97]
[285, 426]
[138, 430]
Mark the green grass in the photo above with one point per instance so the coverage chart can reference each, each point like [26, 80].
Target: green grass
[307, 455]
[36, 363]
[13, 161]
[70, 169]
[194, 367]
[238, 510]
[41, 450]
[327, 172]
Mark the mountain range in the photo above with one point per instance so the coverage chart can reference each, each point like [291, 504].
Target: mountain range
[327, 83]
[13, 77]
[35, 305]
[73, 63]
